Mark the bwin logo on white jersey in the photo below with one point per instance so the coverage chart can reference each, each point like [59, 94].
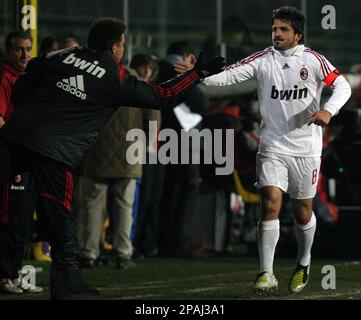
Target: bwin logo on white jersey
[289, 94]
[73, 85]
[89, 67]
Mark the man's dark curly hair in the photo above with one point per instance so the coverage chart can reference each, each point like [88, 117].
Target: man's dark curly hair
[293, 16]
[104, 32]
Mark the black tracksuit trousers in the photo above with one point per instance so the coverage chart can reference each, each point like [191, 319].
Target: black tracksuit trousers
[53, 183]
[17, 199]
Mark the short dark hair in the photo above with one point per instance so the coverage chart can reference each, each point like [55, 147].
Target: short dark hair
[180, 47]
[293, 16]
[140, 60]
[103, 33]
[17, 34]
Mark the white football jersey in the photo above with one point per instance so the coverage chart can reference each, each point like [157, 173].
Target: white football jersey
[289, 90]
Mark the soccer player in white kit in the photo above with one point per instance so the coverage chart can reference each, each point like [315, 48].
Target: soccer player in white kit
[290, 81]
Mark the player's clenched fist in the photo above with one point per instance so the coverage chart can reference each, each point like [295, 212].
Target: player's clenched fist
[320, 118]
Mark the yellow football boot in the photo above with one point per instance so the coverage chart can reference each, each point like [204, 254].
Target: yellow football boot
[265, 283]
[299, 279]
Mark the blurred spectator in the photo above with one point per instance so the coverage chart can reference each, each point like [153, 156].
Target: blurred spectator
[147, 236]
[70, 43]
[355, 81]
[232, 112]
[342, 140]
[356, 69]
[49, 44]
[106, 167]
[181, 184]
[236, 37]
[18, 200]
[146, 67]
[243, 120]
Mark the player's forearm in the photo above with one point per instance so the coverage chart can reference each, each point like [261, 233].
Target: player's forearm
[138, 93]
[230, 75]
[220, 79]
[172, 92]
[341, 93]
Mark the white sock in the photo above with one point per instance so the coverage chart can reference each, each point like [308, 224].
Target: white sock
[304, 236]
[268, 235]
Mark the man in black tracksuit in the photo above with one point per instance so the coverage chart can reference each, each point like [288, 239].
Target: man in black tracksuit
[61, 103]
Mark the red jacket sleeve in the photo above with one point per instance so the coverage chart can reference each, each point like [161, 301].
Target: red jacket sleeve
[5, 97]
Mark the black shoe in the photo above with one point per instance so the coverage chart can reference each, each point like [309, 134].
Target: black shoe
[151, 253]
[84, 293]
[124, 264]
[68, 284]
[103, 261]
[87, 263]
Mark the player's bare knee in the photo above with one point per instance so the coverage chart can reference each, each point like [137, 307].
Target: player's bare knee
[269, 208]
[302, 214]
[302, 209]
[271, 204]
[302, 220]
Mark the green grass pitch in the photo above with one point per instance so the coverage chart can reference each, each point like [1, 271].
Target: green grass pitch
[214, 278]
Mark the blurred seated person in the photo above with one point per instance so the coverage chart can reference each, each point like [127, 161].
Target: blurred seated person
[237, 38]
[49, 44]
[70, 42]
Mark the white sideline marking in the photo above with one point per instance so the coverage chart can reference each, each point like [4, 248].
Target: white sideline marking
[316, 296]
[351, 263]
[139, 296]
[201, 289]
[129, 288]
[204, 289]
[164, 283]
[212, 276]
[177, 291]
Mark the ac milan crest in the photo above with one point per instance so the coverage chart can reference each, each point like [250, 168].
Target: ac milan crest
[304, 74]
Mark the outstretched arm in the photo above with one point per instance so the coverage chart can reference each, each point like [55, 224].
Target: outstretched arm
[170, 93]
[134, 92]
[243, 70]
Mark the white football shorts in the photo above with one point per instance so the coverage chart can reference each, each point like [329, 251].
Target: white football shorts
[297, 176]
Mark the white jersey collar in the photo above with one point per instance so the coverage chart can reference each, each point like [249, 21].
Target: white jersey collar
[296, 51]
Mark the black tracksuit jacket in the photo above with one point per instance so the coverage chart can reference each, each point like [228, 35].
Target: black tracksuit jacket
[64, 99]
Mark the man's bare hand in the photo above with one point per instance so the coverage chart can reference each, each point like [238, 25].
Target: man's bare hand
[320, 118]
[2, 121]
[183, 66]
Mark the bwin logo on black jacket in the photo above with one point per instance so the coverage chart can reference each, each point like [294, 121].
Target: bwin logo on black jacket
[289, 94]
[73, 85]
[81, 64]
